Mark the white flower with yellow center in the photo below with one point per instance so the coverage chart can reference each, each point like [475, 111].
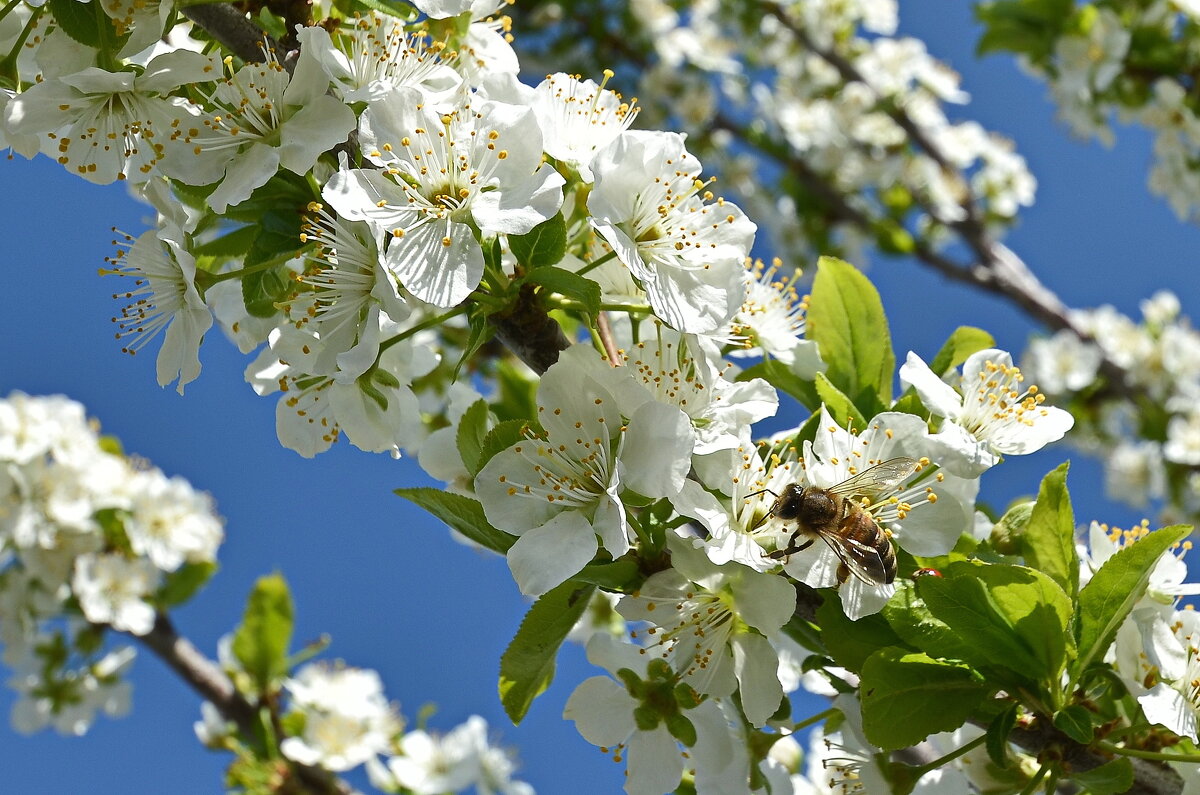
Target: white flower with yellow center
[107, 126]
[643, 714]
[578, 117]
[345, 295]
[442, 177]
[265, 119]
[487, 48]
[560, 489]
[377, 410]
[375, 54]
[995, 414]
[712, 623]
[770, 320]
[925, 517]
[170, 522]
[114, 590]
[347, 718]
[1158, 655]
[684, 246]
[163, 296]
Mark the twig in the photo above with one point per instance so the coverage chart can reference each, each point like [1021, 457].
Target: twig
[231, 28]
[208, 680]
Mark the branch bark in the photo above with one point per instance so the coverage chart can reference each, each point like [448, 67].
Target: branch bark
[207, 679]
[231, 28]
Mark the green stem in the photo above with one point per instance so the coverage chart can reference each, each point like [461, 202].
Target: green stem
[591, 266]
[950, 757]
[560, 301]
[1140, 754]
[279, 259]
[480, 297]
[1032, 786]
[8, 64]
[433, 321]
[814, 719]
[643, 538]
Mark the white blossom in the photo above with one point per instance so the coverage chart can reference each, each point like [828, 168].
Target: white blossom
[347, 719]
[684, 246]
[995, 413]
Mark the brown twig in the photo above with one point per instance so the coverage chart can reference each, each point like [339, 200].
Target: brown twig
[207, 679]
[231, 28]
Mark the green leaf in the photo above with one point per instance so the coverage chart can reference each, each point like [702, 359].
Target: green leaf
[965, 341]
[623, 575]
[1048, 543]
[909, 617]
[462, 514]
[997, 736]
[86, 23]
[502, 437]
[1006, 533]
[527, 666]
[778, 375]
[278, 235]
[472, 431]
[260, 644]
[1010, 617]
[183, 583]
[843, 411]
[850, 643]
[542, 246]
[569, 284]
[1111, 778]
[1031, 27]
[907, 696]
[232, 244]
[1075, 721]
[480, 331]
[1113, 591]
[845, 318]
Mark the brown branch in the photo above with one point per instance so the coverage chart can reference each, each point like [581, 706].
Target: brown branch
[997, 269]
[1149, 777]
[231, 29]
[529, 332]
[207, 679]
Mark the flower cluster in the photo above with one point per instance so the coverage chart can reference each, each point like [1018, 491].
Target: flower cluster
[89, 540]
[338, 718]
[367, 210]
[1146, 460]
[830, 91]
[1113, 61]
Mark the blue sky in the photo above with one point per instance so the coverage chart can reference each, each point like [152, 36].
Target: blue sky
[385, 581]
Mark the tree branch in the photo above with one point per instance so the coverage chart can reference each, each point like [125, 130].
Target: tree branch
[997, 268]
[1149, 778]
[207, 679]
[231, 28]
[529, 332]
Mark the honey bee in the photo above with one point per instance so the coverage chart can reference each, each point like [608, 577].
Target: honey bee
[836, 516]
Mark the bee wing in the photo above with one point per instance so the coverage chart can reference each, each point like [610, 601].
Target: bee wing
[877, 479]
[864, 562]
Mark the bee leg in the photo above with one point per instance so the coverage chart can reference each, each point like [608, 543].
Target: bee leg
[843, 573]
[791, 549]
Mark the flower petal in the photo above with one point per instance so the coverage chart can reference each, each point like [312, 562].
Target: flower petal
[546, 556]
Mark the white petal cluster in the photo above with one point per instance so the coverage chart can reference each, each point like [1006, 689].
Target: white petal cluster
[1160, 354]
[87, 539]
[441, 175]
[347, 719]
[684, 246]
[988, 412]
[560, 490]
[464, 757]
